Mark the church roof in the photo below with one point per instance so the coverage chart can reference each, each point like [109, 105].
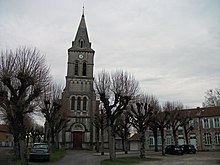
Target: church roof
[81, 42]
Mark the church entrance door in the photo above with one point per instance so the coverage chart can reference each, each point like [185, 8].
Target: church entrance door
[77, 140]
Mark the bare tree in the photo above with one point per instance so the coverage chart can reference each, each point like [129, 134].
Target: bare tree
[140, 119]
[115, 91]
[185, 123]
[174, 109]
[55, 115]
[141, 113]
[212, 98]
[153, 121]
[23, 75]
[162, 122]
[123, 124]
[100, 125]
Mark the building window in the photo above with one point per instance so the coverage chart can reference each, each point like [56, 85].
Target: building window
[206, 123]
[217, 138]
[76, 68]
[78, 103]
[84, 69]
[208, 139]
[168, 140]
[151, 140]
[84, 103]
[73, 103]
[191, 123]
[216, 122]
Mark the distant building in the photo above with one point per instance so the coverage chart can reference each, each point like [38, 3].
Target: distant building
[6, 138]
[205, 134]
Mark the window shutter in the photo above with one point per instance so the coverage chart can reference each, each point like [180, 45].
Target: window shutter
[213, 122]
[209, 123]
[202, 123]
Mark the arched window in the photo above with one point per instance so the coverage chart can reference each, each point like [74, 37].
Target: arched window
[73, 103]
[78, 103]
[76, 68]
[84, 69]
[84, 103]
[81, 43]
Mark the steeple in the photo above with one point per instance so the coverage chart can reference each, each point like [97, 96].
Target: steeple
[81, 42]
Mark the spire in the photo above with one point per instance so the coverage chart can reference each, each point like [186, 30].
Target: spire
[83, 11]
[81, 41]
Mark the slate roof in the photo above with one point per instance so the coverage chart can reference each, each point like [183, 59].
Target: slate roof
[204, 112]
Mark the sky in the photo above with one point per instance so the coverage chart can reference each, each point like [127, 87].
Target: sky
[172, 47]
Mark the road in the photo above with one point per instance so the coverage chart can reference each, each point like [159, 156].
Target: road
[90, 158]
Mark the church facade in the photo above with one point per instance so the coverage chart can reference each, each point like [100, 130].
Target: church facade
[79, 97]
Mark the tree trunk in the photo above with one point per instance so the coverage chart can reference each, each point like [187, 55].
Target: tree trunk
[162, 140]
[17, 149]
[97, 139]
[142, 141]
[186, 135]
[112, 153]
[155, 140]
[102, 141]
[64, 138]
[175, 136]
[15, 131]
[53, 144]
[126, 145]
[23, 147]
[23, 152]
[57, 141]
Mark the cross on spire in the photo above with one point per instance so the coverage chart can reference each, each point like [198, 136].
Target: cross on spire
[83, 10]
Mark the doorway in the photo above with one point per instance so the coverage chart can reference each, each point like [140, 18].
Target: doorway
[77, 140]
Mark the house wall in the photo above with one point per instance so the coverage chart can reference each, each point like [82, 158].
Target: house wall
[204, 136]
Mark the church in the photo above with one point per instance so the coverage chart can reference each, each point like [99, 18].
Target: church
[79, 96]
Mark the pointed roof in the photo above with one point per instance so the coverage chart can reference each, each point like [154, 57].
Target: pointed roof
[81, 42]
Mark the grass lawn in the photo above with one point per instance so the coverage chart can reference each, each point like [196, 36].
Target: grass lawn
[126, 160]
[59, 154]
[218, 162]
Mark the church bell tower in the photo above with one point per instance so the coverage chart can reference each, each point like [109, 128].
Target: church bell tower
[79, 93]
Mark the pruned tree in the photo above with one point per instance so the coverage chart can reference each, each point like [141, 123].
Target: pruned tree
[141, 113]
[100, 125]
[185, 123]
[162, 122]
[154, 129]
[115, 91]
[123, 124]
[55, 115]
[174, 109]
[23, 76]
[212, 98]
[153, 121]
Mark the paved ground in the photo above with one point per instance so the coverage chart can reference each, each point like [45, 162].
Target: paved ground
[91, 158]
[75, 157]
[200, 158]
[80, 157]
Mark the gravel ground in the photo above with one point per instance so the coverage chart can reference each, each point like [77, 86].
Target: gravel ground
[74, 157]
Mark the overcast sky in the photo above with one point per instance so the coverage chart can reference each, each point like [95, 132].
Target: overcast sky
[172, 47]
